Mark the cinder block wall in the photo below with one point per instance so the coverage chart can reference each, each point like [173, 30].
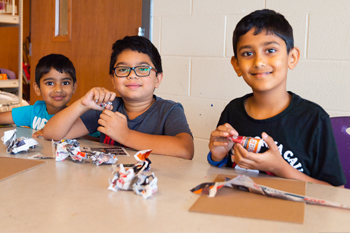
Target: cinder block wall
[194, 38]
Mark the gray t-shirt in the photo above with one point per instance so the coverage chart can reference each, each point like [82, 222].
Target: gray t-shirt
[164, 117]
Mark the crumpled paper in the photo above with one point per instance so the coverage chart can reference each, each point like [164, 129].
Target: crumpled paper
[14, 144]
[136, 177]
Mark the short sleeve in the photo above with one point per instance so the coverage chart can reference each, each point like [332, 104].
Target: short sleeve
[22, 115]
[176, 122]
[90, 120]
[327, 166]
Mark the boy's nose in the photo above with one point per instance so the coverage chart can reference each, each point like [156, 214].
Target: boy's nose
[132, 75]
[259, 61]
[58, 88]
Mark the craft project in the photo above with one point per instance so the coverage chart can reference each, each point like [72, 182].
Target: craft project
[71, 148]
[135, 177]
[245, 183]
[14, 144]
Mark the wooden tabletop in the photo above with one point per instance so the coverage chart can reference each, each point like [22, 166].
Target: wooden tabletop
[73, 197]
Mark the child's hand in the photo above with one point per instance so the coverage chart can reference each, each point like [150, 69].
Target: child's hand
[38, 133]
[114, 124]
[96, 96]
[219, 145]
[270, 161]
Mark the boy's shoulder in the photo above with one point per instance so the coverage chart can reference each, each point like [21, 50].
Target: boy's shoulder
[306, 107]
[40, 104]
[298, 107]
[165, 105]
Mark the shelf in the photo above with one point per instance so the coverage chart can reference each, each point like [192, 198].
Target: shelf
[9, 83]
[9, 20]
[13, 20]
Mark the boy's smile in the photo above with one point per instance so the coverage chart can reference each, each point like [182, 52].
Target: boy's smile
[56, 90]
[133, 87]
[263, 61]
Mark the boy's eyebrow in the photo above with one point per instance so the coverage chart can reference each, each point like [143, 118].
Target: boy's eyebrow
[264, 44]
[124, 64]
[51, 78]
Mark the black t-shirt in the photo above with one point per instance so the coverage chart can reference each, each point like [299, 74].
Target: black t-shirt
[302, 132]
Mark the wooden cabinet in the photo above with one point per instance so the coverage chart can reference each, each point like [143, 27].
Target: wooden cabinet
[14, 20]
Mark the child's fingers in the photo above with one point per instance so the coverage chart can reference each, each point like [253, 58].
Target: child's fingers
[112, 97]
[102, 95]
[242, 157]
[269, 141]
[121, 115]
[102, 122]
[227, 128]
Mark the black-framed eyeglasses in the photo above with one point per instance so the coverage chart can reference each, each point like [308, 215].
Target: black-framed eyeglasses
[140, 71]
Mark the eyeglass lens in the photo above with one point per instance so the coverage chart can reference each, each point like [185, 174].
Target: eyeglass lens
[124, 71]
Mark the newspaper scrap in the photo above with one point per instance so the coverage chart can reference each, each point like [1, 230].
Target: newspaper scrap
[14, 144]
[39, 156]
[99, 158]
[69, 148]
[135, 177]
[245, 183]
[116, 150]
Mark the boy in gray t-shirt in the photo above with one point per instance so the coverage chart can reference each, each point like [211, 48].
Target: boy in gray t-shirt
[137, 119]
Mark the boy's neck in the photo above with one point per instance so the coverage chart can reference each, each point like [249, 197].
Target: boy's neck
[53, 111]
[135, 109]
[262, 106]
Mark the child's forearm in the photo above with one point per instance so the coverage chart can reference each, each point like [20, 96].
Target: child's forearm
[290, 172]
[6, 118]
[180, 146]
[61, 123]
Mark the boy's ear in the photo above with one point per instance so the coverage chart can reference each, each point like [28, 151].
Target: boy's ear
[36, 89]
[234, 63]
[159, 79]
[112, 78]
[293, 56]
[75, 87]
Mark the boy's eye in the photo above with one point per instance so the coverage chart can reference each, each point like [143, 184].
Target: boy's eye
[66, 83]
[271, 50]
[49, 83]
[143, 69]
[247, 54]
[122, 69]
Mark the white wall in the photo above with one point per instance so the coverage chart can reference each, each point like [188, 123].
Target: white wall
[194, 38]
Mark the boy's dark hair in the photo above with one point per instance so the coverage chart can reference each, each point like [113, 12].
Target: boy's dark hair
[59, 62]
[271, 21]
[139, 44]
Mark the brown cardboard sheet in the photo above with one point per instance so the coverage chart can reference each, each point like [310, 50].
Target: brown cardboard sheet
[13, 166]
[238, 203]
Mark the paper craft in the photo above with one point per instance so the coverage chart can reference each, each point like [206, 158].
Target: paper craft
[14, 144]
[135, 177]
[245, 204]
[117, 150]
[99, 158]
[245, 183]
[69, 148]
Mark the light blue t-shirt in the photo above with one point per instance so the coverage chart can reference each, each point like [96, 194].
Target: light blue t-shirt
[34, 116]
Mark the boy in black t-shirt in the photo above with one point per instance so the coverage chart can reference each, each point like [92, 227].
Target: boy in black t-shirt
[299, 142]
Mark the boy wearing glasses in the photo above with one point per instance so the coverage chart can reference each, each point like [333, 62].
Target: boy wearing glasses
[299, 142]
[137, 119]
